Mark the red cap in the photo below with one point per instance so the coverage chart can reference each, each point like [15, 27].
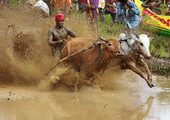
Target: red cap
[59, 17]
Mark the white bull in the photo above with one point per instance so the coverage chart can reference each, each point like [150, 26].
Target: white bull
[135, 49]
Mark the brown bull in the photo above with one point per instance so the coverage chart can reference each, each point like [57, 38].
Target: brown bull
[94, 60]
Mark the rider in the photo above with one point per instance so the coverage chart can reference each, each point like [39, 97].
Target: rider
[57, 36]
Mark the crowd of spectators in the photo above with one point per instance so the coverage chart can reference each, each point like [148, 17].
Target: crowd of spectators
[124, 11]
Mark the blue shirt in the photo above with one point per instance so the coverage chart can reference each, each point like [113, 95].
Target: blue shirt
[130, 18]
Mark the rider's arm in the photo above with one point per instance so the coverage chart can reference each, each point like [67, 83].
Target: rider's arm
[71, 32]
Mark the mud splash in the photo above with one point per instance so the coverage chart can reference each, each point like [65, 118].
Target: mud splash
[122, 103]
[25, 57]
[25, 54]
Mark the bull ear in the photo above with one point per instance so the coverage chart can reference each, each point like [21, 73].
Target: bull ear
[103, 39]
[150, 38]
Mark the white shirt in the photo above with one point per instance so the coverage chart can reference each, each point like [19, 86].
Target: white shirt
[101, 4]
[42, 5]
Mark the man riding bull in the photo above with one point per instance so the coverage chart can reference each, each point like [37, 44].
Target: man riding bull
[57, 36]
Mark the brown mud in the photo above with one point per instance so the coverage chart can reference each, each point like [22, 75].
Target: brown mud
[25, 92]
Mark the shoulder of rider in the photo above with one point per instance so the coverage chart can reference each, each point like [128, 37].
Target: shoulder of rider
[70, 32]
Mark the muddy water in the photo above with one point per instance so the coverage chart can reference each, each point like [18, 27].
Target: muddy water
[90, 103]
[25, 57]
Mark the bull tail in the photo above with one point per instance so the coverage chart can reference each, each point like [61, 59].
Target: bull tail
[71, 55]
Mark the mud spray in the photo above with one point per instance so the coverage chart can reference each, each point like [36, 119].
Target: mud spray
[25, 56]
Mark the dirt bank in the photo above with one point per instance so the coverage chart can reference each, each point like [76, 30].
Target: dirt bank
[159, 65]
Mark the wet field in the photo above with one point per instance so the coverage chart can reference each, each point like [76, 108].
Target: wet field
[25, 57]
[90, 103]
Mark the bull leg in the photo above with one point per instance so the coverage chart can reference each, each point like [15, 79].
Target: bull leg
[149, 75]
[137, 71]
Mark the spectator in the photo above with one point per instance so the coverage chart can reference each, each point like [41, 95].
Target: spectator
[167, 9]
[42, 7]
[3, 4]
[48, 2]
[57, 36]
[80, 4]
[57, 3]
[111, 9]
[154, 5]
[90, 6]
[61, 4]
[129, 12]
[101, 7]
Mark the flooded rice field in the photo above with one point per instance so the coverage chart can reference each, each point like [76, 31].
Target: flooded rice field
[90, 103]
[25, 57]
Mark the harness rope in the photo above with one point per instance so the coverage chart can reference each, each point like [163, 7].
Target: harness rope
[140, 50]
[133, 49]
[71, 55]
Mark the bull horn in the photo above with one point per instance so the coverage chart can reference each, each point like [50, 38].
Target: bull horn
[103, 39]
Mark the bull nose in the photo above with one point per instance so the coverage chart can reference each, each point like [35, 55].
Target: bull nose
[120, 54]
[148, 57]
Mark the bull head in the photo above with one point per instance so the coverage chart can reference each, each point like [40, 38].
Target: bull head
[103, 39]
[143, 42]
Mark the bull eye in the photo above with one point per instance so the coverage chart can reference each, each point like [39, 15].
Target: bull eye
[110, 44]
[141, 44]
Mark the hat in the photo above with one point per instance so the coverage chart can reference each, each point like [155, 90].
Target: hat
[59, 17]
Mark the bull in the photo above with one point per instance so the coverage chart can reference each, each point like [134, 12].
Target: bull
[94, 60]
[135, 49]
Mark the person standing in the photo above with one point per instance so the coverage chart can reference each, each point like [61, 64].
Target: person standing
[111, 9]
[57, 36]
[48, 2]
[154, 5]
[101, 7]
[3, 4]
[129, 12]
[167, 8]
[90, 6]
[80, 5]
[41, 6]
[57, 4]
